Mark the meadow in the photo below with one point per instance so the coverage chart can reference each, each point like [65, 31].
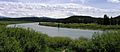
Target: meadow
[27, 40]
[91, 26]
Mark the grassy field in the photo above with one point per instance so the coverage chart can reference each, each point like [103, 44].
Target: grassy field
[92, 26]
[27, 40]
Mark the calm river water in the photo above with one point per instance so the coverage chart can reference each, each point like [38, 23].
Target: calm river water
[54, 31]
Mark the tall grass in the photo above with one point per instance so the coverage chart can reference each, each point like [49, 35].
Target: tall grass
[16, 39]
[107, 42]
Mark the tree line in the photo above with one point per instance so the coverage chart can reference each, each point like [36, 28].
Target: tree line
[88, 19]
[72, 19]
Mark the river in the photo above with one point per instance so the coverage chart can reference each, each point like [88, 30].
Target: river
[54, 31]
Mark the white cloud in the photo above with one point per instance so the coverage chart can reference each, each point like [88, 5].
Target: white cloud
[114, 1]
[51, 10]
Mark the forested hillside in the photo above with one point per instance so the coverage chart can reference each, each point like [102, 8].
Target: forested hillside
[105, 20]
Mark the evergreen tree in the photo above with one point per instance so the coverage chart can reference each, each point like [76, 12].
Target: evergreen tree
[106, 20]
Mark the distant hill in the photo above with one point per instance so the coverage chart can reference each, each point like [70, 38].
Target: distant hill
[80, 19]
[35, 19]
[3, 17]
[117, 17]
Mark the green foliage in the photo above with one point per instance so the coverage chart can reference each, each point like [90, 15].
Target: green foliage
[17, 39]
[9, 44]
[107, 42]
[59, 42]
[106, 20]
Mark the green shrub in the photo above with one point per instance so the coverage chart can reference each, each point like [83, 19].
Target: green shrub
[27, 40]
[107, 42]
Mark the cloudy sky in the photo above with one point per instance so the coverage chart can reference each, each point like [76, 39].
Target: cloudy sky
[59, 8]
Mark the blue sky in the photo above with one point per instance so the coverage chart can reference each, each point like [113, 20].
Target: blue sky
[105, 3]
[95, 3]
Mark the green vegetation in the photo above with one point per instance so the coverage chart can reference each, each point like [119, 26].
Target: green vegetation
[106, 20]
[92, 26]
[27, 40]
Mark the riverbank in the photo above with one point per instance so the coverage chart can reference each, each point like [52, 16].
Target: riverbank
[26, 40]
[90, 26]
[61, 32]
